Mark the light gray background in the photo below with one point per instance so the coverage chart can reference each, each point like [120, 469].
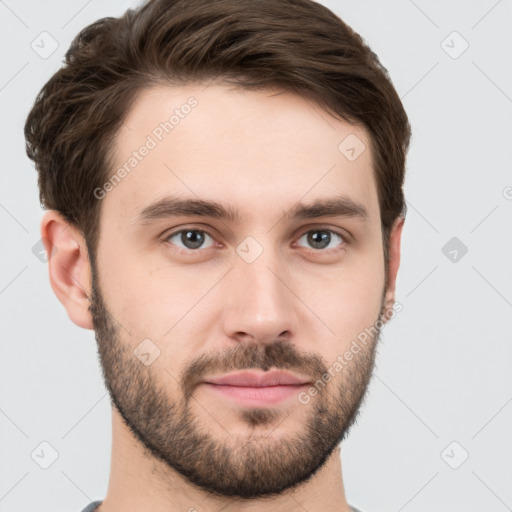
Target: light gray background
[443, 371]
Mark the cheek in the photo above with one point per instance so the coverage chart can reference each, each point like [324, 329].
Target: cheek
[348, 302]
[148, 294]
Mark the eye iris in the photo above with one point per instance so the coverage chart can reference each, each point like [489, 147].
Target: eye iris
[194, 241]
[315, 240]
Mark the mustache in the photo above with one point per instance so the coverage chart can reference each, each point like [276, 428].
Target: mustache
[245, 356]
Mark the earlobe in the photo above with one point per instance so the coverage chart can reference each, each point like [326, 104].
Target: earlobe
[68, 265]
[393, 265]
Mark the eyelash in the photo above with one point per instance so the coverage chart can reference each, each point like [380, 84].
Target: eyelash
[321, 228]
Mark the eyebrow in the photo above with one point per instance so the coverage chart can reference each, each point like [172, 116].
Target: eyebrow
[169, 207]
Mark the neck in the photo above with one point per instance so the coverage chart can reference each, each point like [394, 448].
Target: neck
[139, 482]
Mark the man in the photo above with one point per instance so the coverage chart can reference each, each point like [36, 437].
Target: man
[224, 185]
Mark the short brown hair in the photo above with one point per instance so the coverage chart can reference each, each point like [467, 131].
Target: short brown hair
[296, 45]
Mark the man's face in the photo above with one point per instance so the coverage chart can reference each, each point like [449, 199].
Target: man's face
[180, 301]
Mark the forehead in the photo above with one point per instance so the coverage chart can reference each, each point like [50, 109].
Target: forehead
[261, 152]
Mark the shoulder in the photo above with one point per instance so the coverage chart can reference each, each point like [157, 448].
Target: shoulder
[92, 506]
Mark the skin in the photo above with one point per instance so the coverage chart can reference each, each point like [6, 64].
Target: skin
[259, 152]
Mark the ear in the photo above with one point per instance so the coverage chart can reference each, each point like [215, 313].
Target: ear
[394, 262]
[69, 268]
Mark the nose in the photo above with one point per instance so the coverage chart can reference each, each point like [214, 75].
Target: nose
[260, 306]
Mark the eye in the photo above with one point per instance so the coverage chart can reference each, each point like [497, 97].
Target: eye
[321, 239]
[190, 238]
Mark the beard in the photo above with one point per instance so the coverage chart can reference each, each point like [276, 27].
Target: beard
[242, 466]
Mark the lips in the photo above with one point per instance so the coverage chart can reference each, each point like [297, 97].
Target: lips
[257, 389]
[258, 380]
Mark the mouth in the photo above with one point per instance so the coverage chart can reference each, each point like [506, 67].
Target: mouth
[257, 389]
